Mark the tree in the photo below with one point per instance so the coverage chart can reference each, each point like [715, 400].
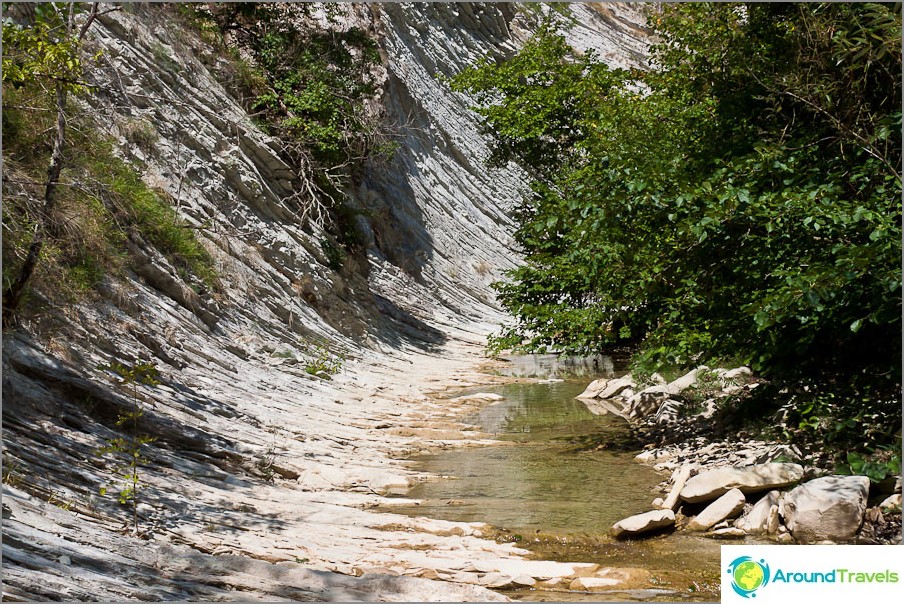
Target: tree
[739, 201]
[45, 49]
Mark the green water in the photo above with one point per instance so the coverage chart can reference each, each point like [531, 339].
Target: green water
[562, 477]
[559, 477]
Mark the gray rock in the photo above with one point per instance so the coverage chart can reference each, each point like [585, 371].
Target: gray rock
[708, 485]
[642, 523]
[728, 505]
[755, 521]
[828, 508]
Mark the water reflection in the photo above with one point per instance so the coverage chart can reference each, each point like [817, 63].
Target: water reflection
[555, 365]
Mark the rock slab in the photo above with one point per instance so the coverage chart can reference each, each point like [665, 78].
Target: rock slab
[642, 523]
[727, 506]
[711, 484]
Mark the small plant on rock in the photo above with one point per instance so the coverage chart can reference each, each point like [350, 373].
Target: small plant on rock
[128, 450]
[323, 363]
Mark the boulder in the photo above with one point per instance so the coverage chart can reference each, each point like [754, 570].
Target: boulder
[826, 509]
[711, 484]
[727, 506]
[686, 381]
[756, 520]
[646, 402]
[607, 388]
[642, 523]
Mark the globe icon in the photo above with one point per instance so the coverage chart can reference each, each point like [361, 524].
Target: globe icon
[748, 575]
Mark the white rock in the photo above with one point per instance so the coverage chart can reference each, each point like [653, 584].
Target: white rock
[755, 521]
[827, 508]
[607, 388]
[642, 523]
[727, 506]
[728, 533]
[686, 381]
[524, 581]
[480, 396]
[891, 502]
[740, 372]
[773, 522]
[683, 474]
[708, 485]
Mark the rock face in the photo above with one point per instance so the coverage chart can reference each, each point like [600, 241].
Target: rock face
[727, 506]
[639, 524]
[708, 485]
[246, 436]
[828, 508]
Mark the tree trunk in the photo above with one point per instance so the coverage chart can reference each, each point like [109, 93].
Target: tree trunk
[12, 296]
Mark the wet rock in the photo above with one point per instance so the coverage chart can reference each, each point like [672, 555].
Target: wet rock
[639, 524]
[828, 508]
[755, 521]
[727, 506]
[708, 485]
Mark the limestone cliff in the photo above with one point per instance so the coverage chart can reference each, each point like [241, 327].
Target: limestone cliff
[258, 480]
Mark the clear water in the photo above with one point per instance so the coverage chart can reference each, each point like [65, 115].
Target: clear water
[555, 478]
[560, 479]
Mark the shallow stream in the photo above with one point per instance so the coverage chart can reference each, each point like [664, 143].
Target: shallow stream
[562, 478]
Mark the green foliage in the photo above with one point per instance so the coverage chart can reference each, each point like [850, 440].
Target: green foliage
[44, 50]
[878, 466]
[741, 199]
[323, 363]
[101, 202]
[308, 82]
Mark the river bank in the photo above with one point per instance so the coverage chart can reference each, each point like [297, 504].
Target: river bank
[269, 496]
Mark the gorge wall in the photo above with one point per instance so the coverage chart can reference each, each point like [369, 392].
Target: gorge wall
[260, 475]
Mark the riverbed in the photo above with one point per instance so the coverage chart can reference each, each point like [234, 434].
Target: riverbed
[558, 479]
